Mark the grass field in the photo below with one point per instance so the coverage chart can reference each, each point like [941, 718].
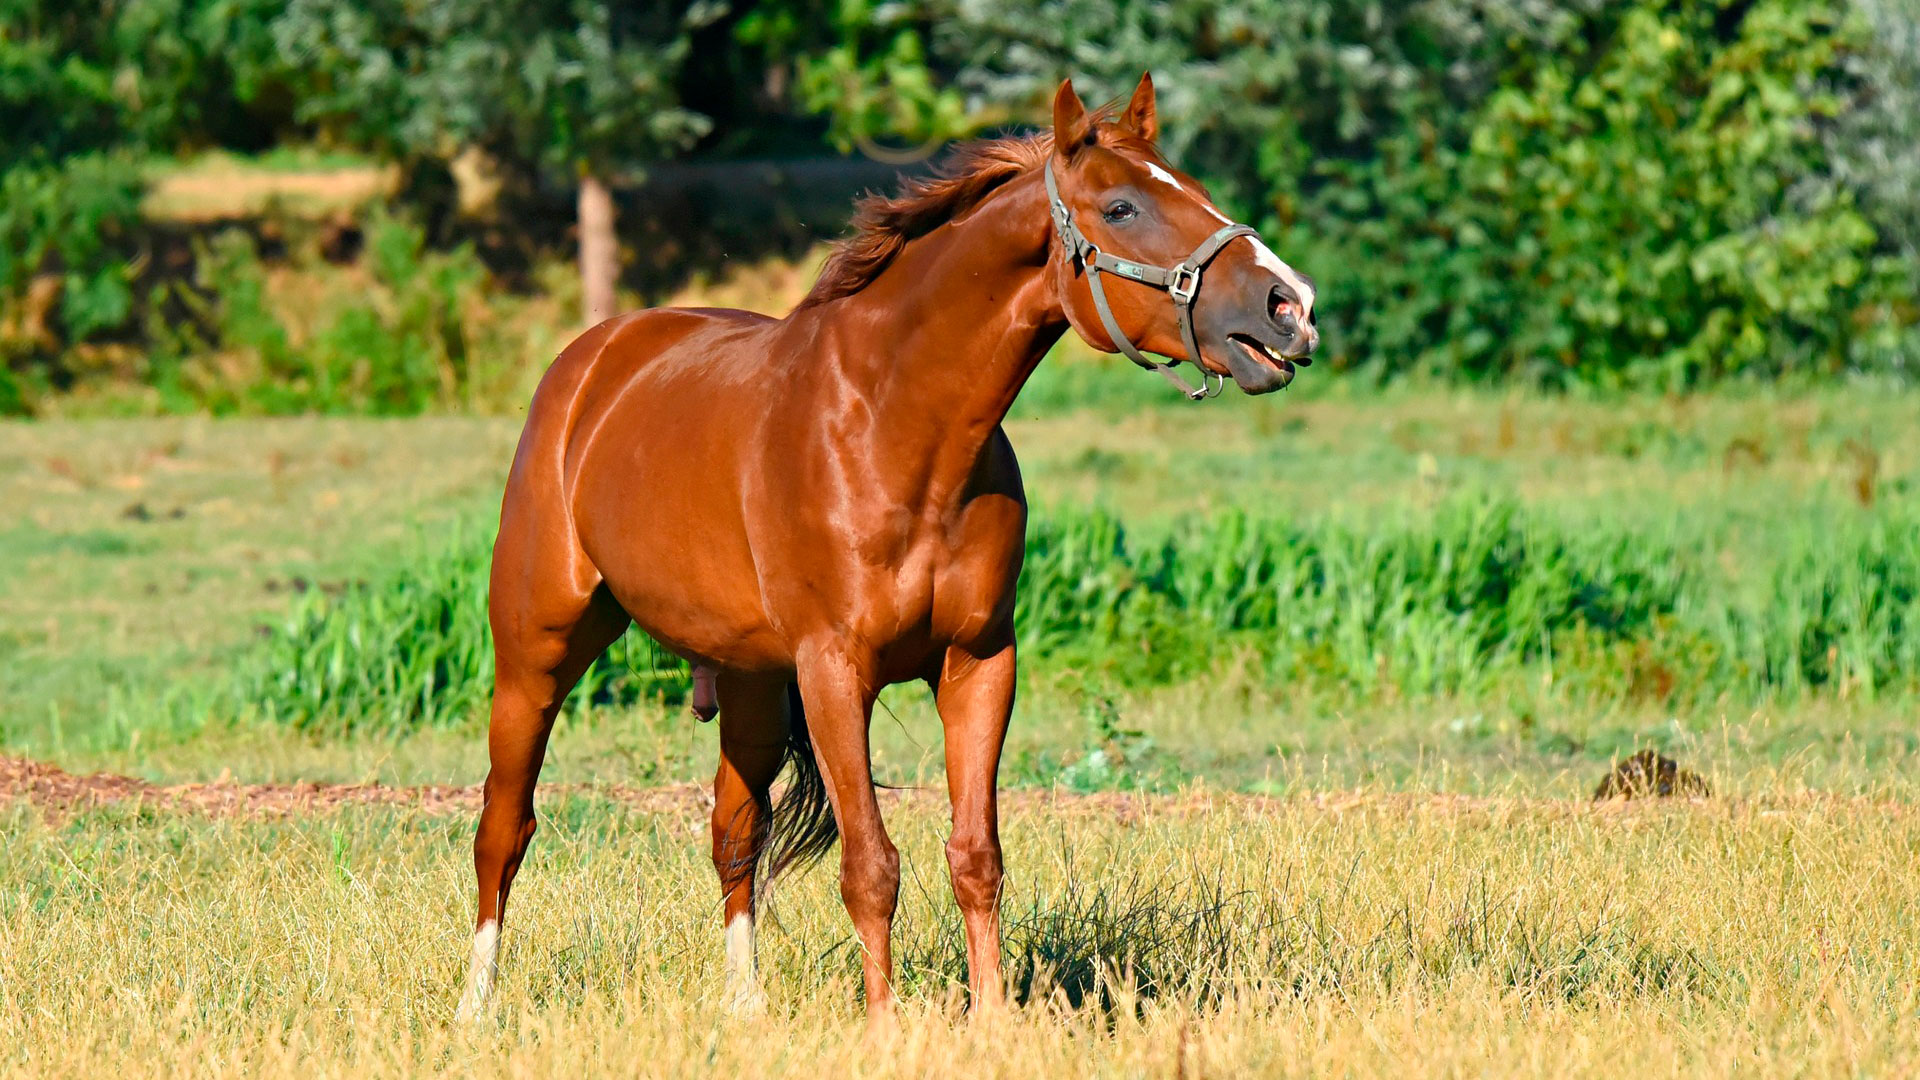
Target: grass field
[1187, 936]
[1221, 872]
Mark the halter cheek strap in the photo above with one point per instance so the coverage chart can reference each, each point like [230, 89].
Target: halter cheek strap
[1181, 282]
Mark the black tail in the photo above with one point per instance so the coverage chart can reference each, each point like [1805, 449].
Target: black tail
[801, 827]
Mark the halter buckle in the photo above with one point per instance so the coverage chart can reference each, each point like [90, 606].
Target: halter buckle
[1183, 282]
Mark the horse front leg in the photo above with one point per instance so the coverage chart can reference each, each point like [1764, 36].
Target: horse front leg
[975, 697]
[837, 692]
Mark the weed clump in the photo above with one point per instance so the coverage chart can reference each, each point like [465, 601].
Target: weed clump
[1650, 773]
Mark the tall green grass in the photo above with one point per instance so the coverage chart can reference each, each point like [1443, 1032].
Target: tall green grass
[411, 650]
[1472, 596]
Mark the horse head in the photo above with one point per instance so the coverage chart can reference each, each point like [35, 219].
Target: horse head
[1147, 264]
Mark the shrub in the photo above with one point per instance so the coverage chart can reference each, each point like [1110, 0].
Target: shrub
[398, 348]
[65, 230]
[1621, 216]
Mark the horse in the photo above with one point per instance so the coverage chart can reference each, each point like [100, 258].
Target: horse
[813, 507]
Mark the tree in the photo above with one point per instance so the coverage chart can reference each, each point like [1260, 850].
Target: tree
[576, 90]
[865, 67]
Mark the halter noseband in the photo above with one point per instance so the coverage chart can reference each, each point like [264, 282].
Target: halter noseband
[1181, 282]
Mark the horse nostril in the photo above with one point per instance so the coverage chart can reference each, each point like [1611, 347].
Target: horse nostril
[1283, 311]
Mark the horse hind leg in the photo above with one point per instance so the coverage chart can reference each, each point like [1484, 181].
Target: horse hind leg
[754, 725]
[544, 641]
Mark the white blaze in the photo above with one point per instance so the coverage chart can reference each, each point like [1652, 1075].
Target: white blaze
[1265, 257]
[1164, 176]
[1261, 253]
[483, 970]
[1172, 181]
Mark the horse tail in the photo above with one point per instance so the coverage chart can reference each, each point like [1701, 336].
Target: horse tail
[802, 827]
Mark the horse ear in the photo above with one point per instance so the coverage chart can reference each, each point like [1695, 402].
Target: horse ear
[1141, 116]
[1070, 126]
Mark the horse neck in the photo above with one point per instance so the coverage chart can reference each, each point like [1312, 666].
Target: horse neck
[942, 341]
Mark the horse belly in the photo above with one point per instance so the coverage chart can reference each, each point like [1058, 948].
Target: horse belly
[657, 519]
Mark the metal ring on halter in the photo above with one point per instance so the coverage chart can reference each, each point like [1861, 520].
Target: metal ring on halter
[1182, 283]
[1219, 383]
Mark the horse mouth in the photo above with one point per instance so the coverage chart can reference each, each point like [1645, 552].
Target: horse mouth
[1265, 368]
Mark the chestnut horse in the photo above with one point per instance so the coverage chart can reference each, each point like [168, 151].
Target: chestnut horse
[813, 507]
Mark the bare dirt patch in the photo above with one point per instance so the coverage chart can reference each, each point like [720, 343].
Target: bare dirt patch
[59, 792]
[55, 789]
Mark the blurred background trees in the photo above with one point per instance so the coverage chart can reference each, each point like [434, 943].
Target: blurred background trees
[1600, 192]
[576, 90]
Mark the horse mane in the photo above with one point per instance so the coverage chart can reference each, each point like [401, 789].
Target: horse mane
[882, 226]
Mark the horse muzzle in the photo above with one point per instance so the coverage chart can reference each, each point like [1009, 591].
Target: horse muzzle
[1262, 366]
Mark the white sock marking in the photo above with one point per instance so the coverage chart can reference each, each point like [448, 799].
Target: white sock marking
[482, 971]
[743, 979]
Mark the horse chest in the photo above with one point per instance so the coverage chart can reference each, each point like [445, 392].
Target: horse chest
[901, 573]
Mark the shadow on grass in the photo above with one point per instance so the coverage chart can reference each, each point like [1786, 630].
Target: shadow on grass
[1117, 942]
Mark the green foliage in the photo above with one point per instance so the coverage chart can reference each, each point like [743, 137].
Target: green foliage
[1626, 215]
[67, 196]
[872, 79]
[565, 84]
[55, 100]
[1476, 596]
[196, 73]
[1876, 143]
[1257, 93]
[72, 219]
[1601, 192]
[401, 350]
[1617, 190]
[84, 91]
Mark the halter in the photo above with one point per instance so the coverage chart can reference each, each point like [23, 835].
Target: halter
[1181, 282]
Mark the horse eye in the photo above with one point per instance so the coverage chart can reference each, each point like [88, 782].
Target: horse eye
[1121, 211]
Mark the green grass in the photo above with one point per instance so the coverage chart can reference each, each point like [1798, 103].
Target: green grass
[1685, 558]
[1556, 561]
[1470, 599]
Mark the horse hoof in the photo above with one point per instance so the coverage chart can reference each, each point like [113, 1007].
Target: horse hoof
[472, 1011]
[749, 1004]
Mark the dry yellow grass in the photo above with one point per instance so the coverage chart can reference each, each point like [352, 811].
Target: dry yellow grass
[1348, 936]
[219, 186]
